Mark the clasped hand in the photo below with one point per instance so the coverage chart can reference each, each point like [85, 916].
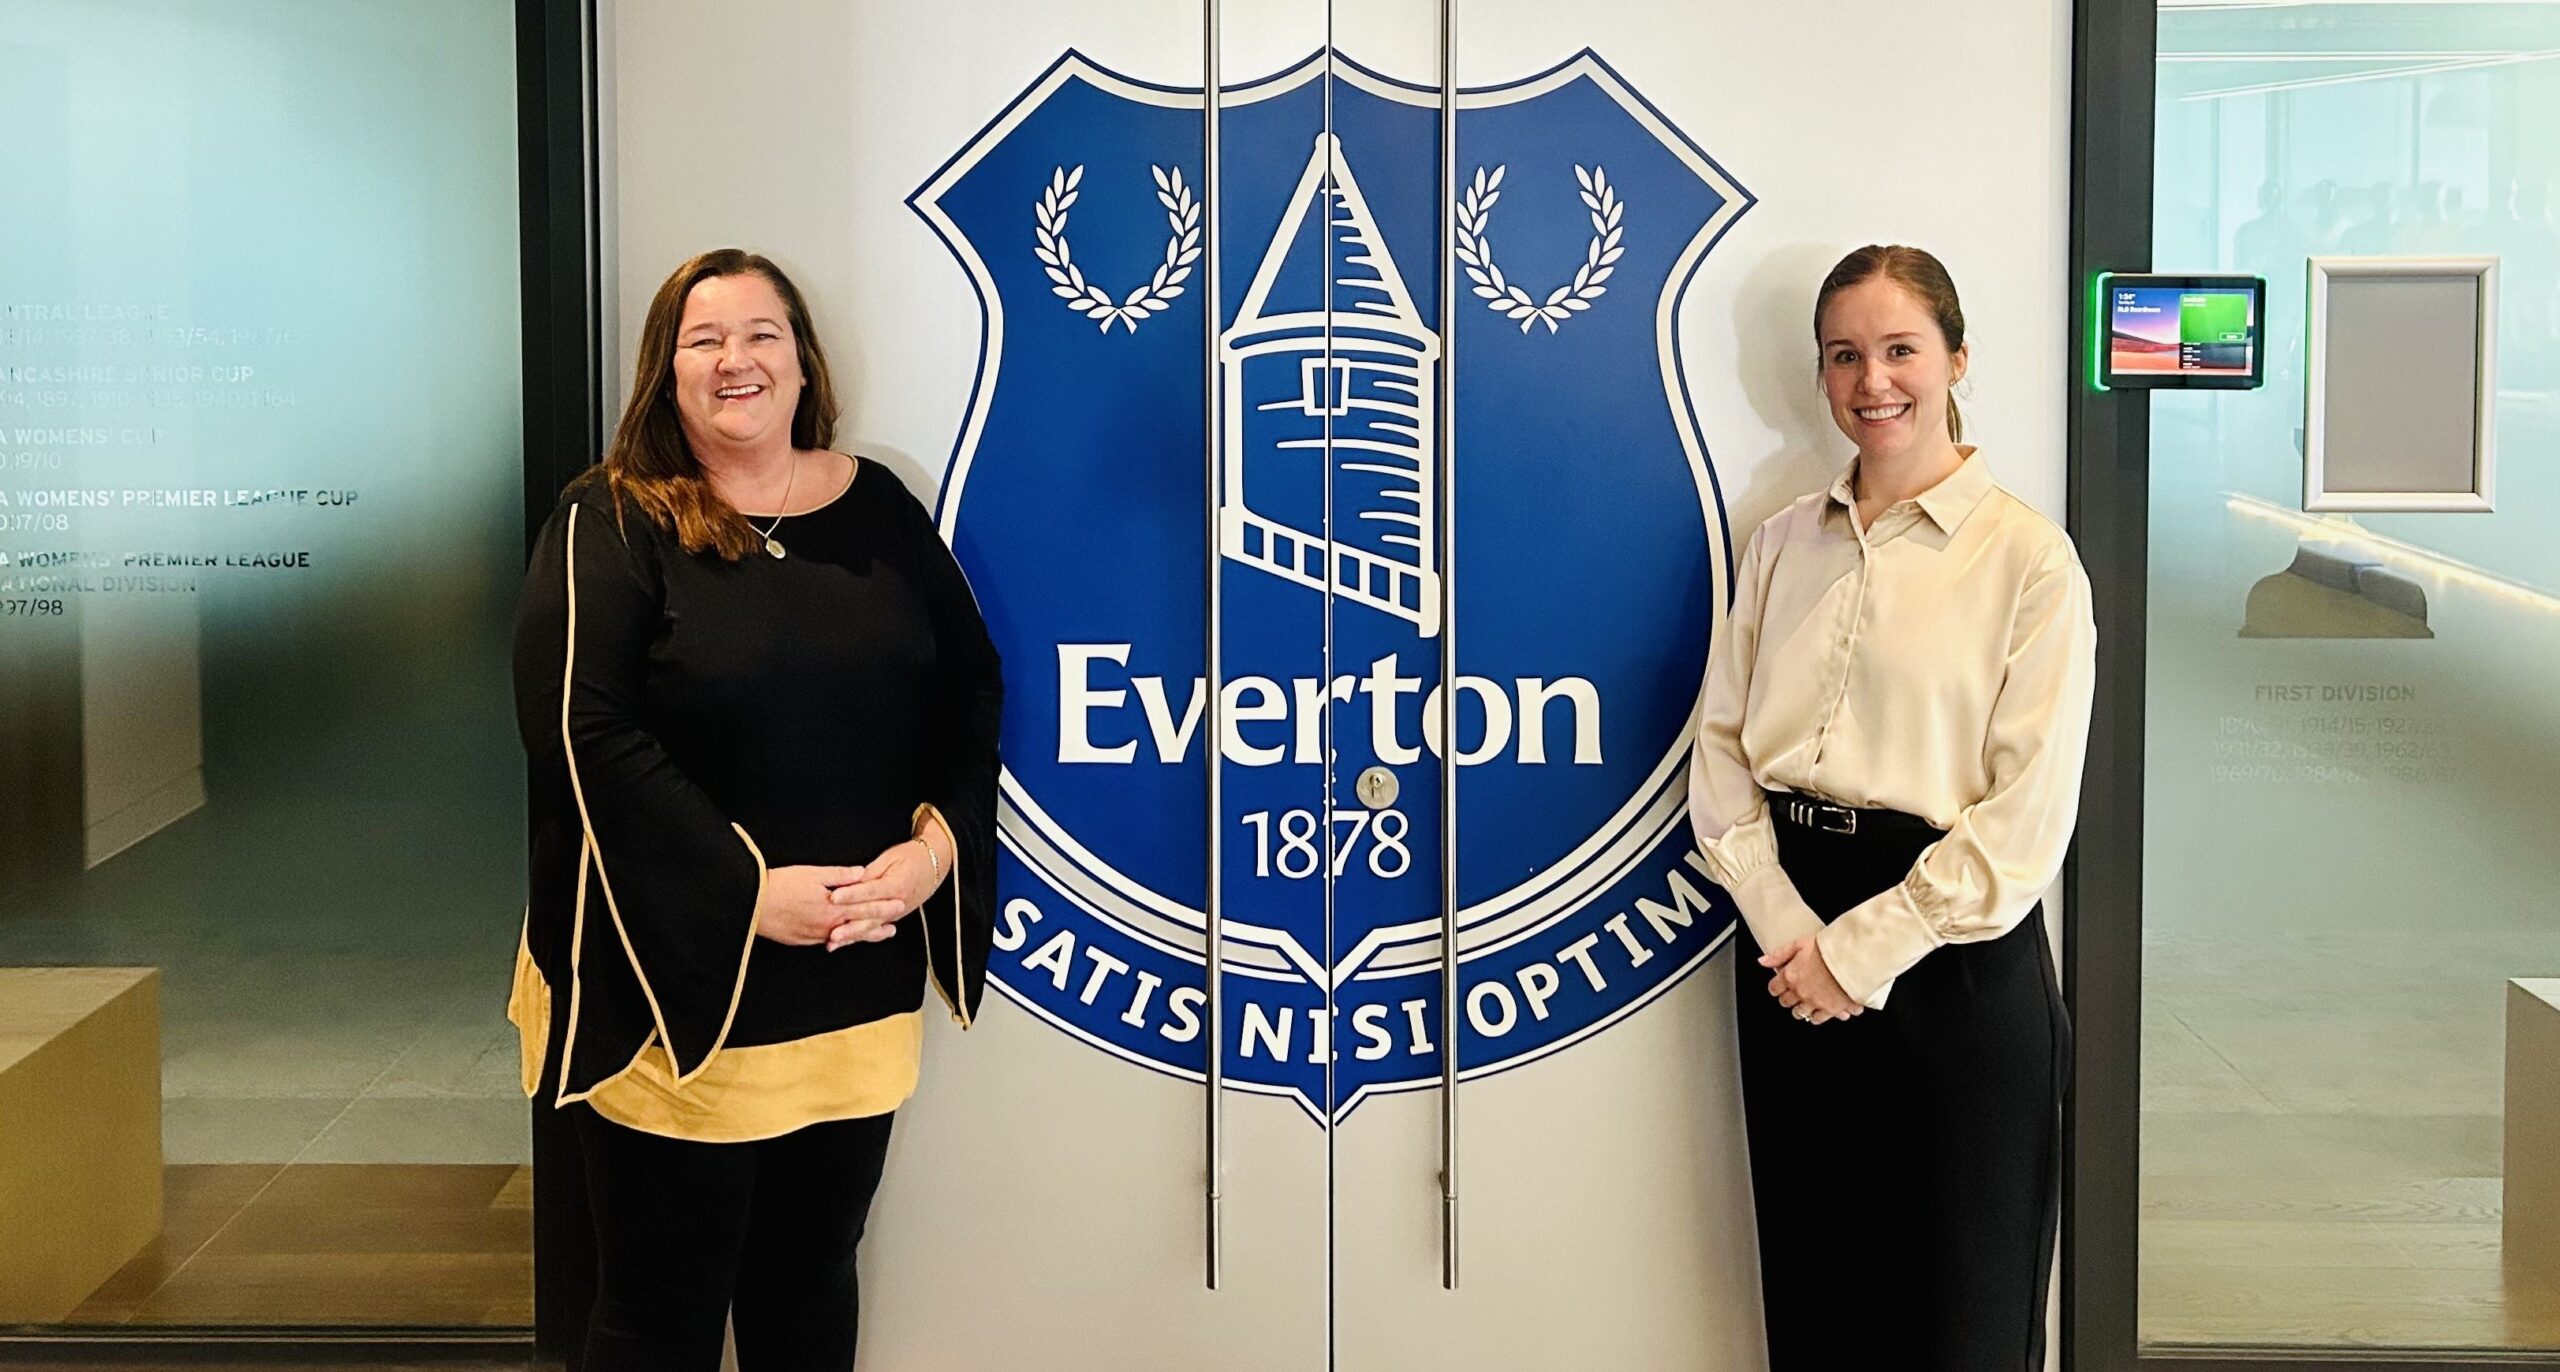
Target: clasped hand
[803, 906]
[1803, 983]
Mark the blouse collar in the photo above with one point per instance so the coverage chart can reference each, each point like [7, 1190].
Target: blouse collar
[1947, 503]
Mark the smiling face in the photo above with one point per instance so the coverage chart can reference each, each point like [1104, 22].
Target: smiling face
[1886, 369]
[737, 365]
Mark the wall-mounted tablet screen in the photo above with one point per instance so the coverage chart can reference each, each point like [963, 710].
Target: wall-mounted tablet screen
[2206, 332]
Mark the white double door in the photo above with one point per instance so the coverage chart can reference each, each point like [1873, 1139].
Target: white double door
[1049, 1200]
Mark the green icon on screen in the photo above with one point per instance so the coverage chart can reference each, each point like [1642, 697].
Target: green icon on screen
[2213, 317]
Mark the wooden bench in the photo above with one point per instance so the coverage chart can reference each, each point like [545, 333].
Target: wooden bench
[79, 1132]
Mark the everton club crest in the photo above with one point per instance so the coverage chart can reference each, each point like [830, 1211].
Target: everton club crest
[1581, 578]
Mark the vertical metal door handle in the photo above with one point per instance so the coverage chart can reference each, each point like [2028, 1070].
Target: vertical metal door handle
[1447, 428]
[1212, 435]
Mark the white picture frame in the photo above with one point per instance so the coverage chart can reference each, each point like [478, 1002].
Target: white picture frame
[2383, 404]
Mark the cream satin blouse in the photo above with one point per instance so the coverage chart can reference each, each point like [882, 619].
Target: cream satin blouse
[1939, 663]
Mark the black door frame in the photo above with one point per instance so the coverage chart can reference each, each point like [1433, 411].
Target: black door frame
[2114, 62]
[2108, 437]
[564, 390]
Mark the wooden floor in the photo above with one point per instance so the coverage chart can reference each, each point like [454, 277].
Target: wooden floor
[332, 1244]
[2322, 1145]
[2328, 1260]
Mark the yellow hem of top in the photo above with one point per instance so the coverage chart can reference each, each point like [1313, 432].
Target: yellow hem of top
[747, 1093]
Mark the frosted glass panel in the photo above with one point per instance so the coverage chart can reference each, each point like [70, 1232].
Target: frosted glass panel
[2353, 765]
[260, 529]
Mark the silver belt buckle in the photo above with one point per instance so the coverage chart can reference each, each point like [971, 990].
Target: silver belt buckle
[1816, 814]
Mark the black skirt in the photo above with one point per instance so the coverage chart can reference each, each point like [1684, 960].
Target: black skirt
[1905, 1164]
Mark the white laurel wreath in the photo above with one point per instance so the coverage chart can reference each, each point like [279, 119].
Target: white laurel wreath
[1067, 279]
[1599, 260]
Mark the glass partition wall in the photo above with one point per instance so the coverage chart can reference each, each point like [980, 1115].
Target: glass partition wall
[2352, 768]
[261, 510]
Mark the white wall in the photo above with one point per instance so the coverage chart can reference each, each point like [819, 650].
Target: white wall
[799, 130]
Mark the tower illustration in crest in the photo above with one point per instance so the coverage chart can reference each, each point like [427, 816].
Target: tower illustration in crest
[1377, 393]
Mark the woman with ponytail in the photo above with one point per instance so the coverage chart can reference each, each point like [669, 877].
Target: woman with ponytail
[1886, 775]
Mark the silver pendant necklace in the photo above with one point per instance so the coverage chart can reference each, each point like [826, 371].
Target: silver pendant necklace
[773, 545]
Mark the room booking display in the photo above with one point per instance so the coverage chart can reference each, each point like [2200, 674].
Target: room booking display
[2203, 332]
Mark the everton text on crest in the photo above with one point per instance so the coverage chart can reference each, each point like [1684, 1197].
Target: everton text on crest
[1589, 559]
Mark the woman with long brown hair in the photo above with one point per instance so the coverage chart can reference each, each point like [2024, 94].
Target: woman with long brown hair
[1886, 775]
[760, 711]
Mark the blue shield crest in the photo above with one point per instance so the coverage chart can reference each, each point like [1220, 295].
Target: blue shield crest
[1588, 561]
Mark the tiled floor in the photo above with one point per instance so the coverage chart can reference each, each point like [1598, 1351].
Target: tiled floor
[2322, 1142]
[332, 1244]
[343, 1128]
[334, 931]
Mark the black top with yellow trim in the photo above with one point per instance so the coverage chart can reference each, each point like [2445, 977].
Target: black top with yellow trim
[690, 722]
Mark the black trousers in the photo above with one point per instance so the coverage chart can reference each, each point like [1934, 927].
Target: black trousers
[1905, 1164]
[690, 1236]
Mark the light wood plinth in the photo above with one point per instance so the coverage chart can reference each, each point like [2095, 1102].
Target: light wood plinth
[2532, 1212]
[79, 1132]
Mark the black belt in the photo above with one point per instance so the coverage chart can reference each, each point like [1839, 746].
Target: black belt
[1813, 812]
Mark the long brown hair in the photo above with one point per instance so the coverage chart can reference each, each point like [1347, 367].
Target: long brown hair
[1915, 270]
[650, 464]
